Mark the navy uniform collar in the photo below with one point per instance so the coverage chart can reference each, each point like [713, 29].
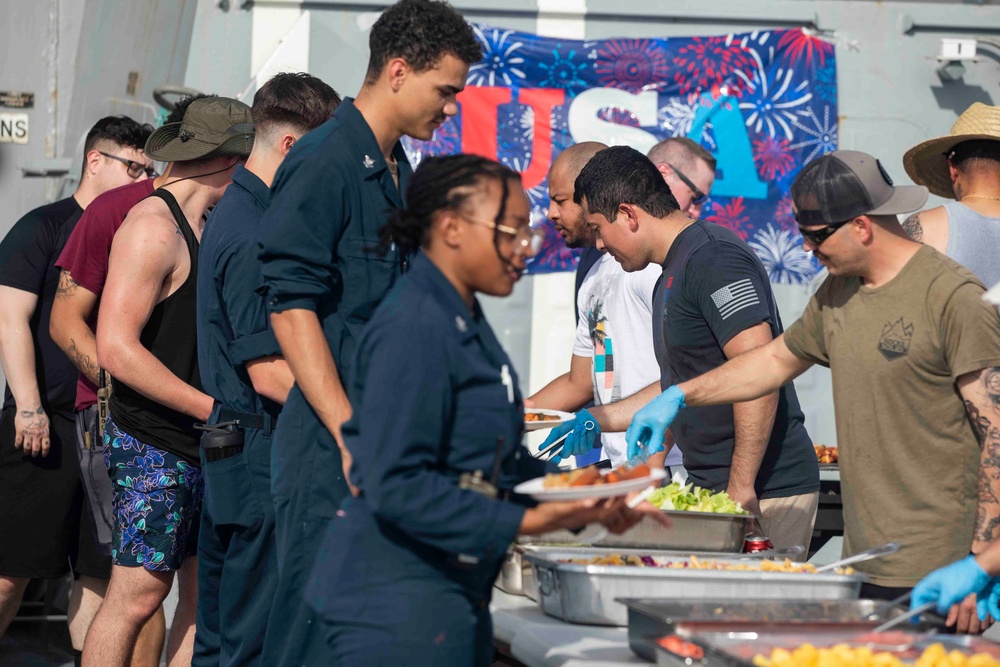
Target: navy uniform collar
[368, 154]
[250, 182]
[425, 273]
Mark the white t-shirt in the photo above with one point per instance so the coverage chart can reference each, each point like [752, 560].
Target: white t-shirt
[616, 331]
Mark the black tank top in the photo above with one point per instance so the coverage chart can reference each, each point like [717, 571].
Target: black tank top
[171, 335]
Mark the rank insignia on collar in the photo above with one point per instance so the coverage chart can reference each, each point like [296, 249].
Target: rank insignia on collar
[460, 323]
[369, 163]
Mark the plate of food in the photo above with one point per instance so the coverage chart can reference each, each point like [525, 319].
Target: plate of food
[536, 419]
[591, 482]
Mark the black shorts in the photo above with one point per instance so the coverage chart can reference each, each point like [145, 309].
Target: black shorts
[42, 523]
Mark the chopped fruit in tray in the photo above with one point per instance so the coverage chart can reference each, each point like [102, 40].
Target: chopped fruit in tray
[540, 417]
[843, 655]
[681, 647]
[591, 475]
[826, 455]
[694, 499]
[695, 563]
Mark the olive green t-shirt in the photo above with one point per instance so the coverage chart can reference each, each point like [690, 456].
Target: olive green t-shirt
[909, 459]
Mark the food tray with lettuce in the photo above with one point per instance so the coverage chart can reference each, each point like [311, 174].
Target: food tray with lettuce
[700, 521]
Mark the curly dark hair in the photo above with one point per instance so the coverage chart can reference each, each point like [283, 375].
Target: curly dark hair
[622, 175]
[421, 32]
[437, 185]
[293, 98]
[119, 130]
[176, 114]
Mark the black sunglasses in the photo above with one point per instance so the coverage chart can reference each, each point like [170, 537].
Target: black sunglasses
[817, 236]
[699, 196]
[134, 168]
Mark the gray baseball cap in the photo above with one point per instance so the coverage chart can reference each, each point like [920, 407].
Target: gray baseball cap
[842, 185]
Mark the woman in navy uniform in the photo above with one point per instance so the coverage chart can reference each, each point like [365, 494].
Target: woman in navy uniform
[406, 568]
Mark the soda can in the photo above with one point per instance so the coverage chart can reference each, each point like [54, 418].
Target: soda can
[752, 545]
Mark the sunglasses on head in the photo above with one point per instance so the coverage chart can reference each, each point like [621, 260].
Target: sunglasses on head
[817, 236]
[134, 169]
[699, 196]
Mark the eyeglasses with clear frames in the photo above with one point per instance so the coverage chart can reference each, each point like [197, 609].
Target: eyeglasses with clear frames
[527, 237]
[133, 168]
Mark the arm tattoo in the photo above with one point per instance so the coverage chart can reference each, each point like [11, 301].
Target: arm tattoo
[83, 362]
[67, 286]
[985, 421]
[912, 227]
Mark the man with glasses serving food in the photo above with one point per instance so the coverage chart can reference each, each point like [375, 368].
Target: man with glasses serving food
[712, 303]
[915, 355]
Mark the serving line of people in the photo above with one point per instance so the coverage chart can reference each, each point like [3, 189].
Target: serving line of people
[350, 496]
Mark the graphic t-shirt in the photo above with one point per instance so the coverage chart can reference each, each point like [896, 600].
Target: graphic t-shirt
[27, 262]
[615, 330]
[909, 460]
[713, 288]
[88, 249]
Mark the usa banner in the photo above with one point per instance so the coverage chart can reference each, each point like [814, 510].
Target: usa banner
[763, 103]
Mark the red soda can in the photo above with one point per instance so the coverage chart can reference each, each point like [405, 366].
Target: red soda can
[752, 545]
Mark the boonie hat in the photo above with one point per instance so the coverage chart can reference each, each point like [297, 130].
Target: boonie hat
[212, 127]
[842, 185]
[927, 162]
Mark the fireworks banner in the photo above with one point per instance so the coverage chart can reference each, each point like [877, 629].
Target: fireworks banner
[764, 103]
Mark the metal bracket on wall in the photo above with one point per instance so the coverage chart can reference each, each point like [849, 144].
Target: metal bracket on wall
[59, 166]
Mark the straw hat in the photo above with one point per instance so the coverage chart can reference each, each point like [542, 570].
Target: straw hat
[927, 164]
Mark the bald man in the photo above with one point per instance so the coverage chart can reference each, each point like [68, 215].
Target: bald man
[613, 353]
[689, 171]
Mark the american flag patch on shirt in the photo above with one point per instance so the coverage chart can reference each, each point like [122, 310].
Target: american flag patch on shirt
[735, 297]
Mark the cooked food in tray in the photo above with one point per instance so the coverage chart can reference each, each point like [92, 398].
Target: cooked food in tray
[844, 655]
[695, 563]
[591, 475]
[541, 417]
[692, 498]
[826, 455]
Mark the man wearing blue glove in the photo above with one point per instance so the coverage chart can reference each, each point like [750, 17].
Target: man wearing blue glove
[613, 350]
[712, 303]
[950, 585]
[916, 377]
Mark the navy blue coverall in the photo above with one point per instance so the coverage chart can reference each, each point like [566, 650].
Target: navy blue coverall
[331, 195]
[406, 569]
[237, 556]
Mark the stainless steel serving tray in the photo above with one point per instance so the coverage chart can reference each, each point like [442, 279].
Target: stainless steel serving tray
[689, 531]
[517, 577]
[650, 618]
[589, 593]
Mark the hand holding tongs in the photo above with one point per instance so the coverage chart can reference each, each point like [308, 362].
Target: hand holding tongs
[550, 451]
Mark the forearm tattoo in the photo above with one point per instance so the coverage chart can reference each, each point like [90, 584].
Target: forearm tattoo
[84, 362]
[986, 425]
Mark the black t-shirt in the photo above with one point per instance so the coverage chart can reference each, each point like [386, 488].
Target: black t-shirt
[27, 262]
[713, 287]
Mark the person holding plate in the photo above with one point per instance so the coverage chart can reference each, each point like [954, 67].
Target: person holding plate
[435, 437]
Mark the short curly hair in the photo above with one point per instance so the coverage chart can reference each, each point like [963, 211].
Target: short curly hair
[421, 32]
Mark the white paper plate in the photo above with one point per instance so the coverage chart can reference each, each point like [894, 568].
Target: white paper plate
[536, 489]
[548, 423]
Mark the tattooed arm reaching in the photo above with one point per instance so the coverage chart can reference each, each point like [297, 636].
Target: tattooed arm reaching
[981, 392]
[17, 353]
[68, 325]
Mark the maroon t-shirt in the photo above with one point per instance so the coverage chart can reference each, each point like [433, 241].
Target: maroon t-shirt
[86, 253]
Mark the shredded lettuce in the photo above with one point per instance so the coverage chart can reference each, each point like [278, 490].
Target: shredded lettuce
[692, 498]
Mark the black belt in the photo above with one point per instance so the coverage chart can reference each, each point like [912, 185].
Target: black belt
[255, 420]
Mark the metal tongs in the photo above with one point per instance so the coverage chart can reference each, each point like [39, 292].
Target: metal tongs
[867, 554]
[550, 451]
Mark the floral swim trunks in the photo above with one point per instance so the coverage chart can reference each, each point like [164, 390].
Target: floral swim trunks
[157, 503]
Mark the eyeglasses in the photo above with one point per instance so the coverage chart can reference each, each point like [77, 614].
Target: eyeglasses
[527, 237]
[134, 168]
[699, 196]
[817, 236]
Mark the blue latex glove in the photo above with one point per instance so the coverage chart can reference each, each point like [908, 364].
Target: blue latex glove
[950, 585]
[987, 601]
[650, 424]
[583, 432]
